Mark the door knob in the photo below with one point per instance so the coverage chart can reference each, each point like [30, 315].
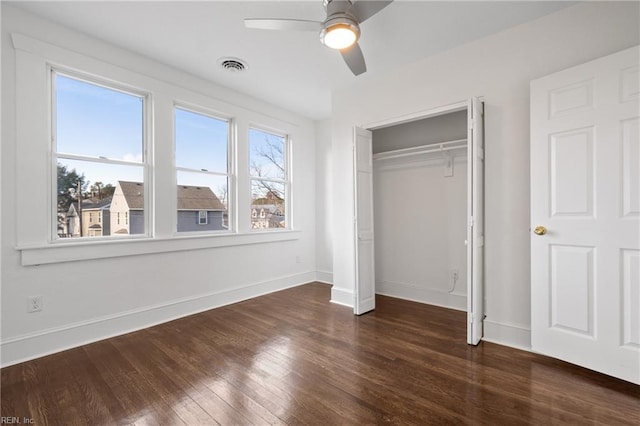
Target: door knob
[540, 230]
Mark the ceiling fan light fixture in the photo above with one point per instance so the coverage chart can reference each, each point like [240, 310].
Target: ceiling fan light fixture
[340, 35]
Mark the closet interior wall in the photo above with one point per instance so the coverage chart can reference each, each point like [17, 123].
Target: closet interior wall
[420, 210]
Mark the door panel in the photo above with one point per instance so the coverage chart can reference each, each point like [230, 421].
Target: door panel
[475, 233]
[585, 190]
[571, 171]
[572, 288]
[631, 167]
[365, 290]
[631, 289]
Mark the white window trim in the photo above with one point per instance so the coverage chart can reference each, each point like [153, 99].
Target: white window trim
[231, 168]
[101, 248]
[146, 147]
[33, 160]
[200, 217]
[288, 199]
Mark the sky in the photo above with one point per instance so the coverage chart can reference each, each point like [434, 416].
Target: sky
[95, 121]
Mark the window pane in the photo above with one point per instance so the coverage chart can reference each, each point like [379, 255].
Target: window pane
[201, 141]
[112, 199]
[98, 122]
[267, 204]
[202, 202]
[266, 155]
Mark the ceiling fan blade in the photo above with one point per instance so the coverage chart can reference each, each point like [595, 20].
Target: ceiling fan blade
[363, 10]
[282, 24]
[355, 59]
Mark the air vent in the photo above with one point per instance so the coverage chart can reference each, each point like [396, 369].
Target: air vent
[232, 64]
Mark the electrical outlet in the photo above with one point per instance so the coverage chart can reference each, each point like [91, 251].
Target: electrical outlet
[297, 259]
[34, 303]
[454, 276]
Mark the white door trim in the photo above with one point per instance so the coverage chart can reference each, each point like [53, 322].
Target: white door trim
[474, 327]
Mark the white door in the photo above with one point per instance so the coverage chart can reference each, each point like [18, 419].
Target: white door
[475, 228]
[365, 289]
[585, 215]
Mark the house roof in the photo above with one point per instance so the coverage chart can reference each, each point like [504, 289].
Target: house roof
[95, 204]
[89, 204]
[133, 193]
[189, 197]
[198, 198]
[269, 208]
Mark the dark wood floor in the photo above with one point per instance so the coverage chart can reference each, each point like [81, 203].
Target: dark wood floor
[294, 358]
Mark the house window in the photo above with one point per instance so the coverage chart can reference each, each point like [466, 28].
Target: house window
[98, 144]
[202, 217]
[268, 160]
[203, 171]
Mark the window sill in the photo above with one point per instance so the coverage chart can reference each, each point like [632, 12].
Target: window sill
[87, 250]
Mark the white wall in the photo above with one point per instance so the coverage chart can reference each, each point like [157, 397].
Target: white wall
[420, 219]
[499, 68]
[441, 128]
[92, 299]
[324, 260]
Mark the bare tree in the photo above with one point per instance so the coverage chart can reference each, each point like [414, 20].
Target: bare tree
[273, 152]
[223, 193]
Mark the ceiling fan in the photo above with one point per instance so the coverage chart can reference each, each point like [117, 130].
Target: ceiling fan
[340, 30]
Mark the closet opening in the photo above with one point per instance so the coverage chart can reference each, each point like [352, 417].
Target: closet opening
[420, 210]
[419, 201]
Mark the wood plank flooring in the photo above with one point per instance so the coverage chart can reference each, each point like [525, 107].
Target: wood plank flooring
[294, 358]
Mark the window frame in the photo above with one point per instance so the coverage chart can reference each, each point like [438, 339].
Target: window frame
[34, 226]
[145, 164]
[230, 174]
[287, 181]
[201, 217]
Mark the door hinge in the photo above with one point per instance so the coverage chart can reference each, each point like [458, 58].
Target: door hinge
[472, 222]
[470, 317]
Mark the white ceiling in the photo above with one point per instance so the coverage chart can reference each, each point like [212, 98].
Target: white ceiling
[292, 70]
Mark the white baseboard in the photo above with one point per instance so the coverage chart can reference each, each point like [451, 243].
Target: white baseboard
[35, 345]
[342, 296]
[507, 334]
[324, 277]
[422, 295]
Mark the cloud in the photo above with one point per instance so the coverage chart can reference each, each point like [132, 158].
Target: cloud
[133, 157]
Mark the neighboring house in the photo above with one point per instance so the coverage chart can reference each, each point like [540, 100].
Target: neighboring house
[199, 209]
[127, 208]
[95, 219]
[72, 222]
[264, 216]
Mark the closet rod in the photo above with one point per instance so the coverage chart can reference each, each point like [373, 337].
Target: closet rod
[424, 149]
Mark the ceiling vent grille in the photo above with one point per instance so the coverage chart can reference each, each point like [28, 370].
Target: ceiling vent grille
[232, 64]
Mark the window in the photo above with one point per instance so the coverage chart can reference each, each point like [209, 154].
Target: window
[83, 127]
[202, 217]
[269, 179]
[98, 146]
[203, 175]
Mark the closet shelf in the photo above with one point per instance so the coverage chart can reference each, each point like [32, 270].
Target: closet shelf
[433, 148]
